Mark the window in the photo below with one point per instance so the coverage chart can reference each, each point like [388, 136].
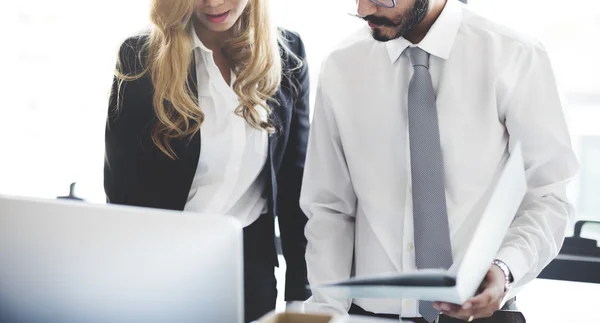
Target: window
[59, 73]
[567, 30]
[321, 27]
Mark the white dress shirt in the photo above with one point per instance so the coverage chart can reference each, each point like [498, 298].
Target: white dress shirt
[493, 87]
[230, 177]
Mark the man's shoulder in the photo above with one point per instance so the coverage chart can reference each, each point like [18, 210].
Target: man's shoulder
[488, 30]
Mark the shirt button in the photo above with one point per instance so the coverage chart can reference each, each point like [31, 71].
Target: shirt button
[408, 303]
[410, 190]
[410, 247]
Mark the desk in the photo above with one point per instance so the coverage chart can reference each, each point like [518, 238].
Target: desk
[557, 301]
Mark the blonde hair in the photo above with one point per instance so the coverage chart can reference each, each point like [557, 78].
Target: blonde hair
[253, 51]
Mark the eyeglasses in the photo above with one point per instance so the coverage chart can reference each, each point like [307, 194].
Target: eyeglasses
[385, 3]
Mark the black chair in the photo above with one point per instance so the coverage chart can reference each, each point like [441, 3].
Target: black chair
[578, 259]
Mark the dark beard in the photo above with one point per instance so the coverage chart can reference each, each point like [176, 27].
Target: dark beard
[402, 24]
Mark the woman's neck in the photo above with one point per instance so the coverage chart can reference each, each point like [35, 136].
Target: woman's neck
[211, 39]
[215, 41]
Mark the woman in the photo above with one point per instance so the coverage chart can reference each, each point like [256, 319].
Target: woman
[209, 113]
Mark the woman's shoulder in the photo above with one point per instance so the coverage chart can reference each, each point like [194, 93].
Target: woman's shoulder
[292, 41]
[133, 52]
[289, 35]
[131, 97]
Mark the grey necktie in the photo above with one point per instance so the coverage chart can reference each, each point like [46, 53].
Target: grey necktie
[432, 235]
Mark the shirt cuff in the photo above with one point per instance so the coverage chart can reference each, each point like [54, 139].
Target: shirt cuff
[515, 260]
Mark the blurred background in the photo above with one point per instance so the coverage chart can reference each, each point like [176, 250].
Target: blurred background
[57, 59]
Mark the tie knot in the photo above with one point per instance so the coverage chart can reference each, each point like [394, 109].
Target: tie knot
[418, 57]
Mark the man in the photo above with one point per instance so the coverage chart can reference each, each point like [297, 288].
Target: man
[412, 125]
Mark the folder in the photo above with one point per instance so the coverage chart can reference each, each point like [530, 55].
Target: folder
[460, 282]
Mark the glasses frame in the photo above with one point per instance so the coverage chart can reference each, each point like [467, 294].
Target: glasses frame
[378, 3]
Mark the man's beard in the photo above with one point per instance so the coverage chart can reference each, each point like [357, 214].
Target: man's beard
[401, 25]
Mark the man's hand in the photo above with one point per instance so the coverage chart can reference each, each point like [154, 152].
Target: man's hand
[484, 304]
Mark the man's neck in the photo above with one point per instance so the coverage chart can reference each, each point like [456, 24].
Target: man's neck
[418, 33]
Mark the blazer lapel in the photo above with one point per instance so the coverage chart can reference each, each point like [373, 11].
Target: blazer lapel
[280, 117]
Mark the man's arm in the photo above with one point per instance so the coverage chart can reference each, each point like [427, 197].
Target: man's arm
[534, 116]
[329, 201]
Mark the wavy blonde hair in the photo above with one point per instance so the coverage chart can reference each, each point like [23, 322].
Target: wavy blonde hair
[253, 51]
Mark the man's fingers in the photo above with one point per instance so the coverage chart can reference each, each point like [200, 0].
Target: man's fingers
[477, 313]
[446, 307]
[482, 300]
[484, 304]
[487, 297]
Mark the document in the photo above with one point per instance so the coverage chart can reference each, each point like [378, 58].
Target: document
[460, 282]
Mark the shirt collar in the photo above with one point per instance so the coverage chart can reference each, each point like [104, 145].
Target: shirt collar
[201, 57]
[440, 38]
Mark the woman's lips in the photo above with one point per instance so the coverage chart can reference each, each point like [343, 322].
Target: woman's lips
[217, 19]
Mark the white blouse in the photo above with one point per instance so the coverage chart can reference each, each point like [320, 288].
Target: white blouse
[230, 177]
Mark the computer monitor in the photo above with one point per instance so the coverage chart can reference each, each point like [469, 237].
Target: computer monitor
[71, 262]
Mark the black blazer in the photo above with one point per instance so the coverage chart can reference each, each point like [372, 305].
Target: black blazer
[137, 173]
